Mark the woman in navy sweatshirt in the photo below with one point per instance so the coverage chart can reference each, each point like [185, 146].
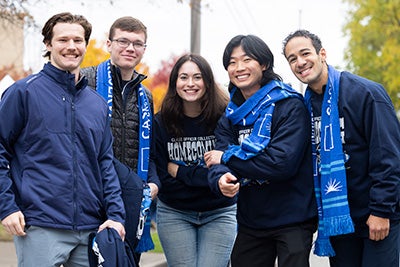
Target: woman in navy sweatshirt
[196, 227]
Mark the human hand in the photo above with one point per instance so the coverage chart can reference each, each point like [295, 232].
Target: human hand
[378, 227]
[173, 169]
[227, 184]
[14, 224]
[116, 225]
[153, 190]
[213, 157]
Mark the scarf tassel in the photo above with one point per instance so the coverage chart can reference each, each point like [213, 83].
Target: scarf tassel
[323, 247]
[145, 242]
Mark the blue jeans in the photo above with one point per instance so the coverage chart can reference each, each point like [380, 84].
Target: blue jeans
[196, 239]
[52, 247]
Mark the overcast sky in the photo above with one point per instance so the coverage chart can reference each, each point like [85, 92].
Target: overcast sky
[168, 24]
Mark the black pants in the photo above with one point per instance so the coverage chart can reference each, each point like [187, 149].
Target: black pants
[357, 250]
[260, 248]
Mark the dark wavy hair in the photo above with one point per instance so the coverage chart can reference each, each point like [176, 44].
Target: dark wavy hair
[64, 17]
[213, 102]
[255, 48]
[316, 42]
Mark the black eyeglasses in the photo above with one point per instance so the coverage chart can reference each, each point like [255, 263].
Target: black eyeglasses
[124, 43]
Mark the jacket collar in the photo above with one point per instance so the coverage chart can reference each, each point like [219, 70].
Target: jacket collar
[64, 77]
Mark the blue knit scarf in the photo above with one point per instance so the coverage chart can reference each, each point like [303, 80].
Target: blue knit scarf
[330, 173]
[105, 89]
[257, 111]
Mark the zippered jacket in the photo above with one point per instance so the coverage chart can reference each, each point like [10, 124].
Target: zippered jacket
[281, 189]
[56, 153]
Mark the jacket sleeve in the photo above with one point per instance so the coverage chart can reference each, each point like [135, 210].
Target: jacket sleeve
[290, 138]
[383, 134]
[114, 206]
[161, 158]
[193, 175]
[225, 136]
[12, 121]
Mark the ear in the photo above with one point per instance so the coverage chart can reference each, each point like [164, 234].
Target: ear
[49, 47]
[322, 54]
[108, 44]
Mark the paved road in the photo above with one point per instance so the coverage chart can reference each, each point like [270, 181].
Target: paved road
[8, 258]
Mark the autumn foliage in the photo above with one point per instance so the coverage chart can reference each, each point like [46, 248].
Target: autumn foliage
[158, 83]
[95, 54]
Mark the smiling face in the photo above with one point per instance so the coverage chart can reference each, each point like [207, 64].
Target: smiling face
[245, 72]
[126, 58]
[190, 86]
[67, 47]
[308, 66]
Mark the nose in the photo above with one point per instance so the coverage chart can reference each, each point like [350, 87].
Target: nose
[71, 44]
[240, 65]
[130, 46]
[301, 61]
[190, 81]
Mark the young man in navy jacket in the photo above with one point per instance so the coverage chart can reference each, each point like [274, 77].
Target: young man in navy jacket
[57, 179]
[370, 142]
[263, 154]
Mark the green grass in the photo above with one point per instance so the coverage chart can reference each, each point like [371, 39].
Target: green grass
[157, 244]
[4, 236]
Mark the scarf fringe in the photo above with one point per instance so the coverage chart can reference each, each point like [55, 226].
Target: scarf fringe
[145, 242]
[338, 225]
[323, 247]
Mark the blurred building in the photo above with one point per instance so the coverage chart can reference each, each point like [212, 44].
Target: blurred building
[12, 44]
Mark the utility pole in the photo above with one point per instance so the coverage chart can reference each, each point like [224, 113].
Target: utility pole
[195, 26]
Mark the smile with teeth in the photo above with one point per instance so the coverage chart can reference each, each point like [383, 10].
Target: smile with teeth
[191, 90]
[304, 71]
[243, 76]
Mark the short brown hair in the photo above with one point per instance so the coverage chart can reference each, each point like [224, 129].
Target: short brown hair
[64, 17]
[128, 24]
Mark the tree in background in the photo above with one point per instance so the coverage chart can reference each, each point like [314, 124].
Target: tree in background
[95, 54]
[374, 44]
[158, 83]
[17, 11]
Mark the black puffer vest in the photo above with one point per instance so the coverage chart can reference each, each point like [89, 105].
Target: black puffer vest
[125, 117]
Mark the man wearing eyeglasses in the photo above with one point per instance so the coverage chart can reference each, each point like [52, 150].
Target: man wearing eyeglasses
[130, 110]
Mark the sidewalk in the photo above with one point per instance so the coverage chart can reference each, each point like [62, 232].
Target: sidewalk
[148, 259]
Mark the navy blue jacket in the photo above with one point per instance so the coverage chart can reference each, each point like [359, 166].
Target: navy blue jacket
[56, 153]
[106, 249]
[287, 196]
[371, 133]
